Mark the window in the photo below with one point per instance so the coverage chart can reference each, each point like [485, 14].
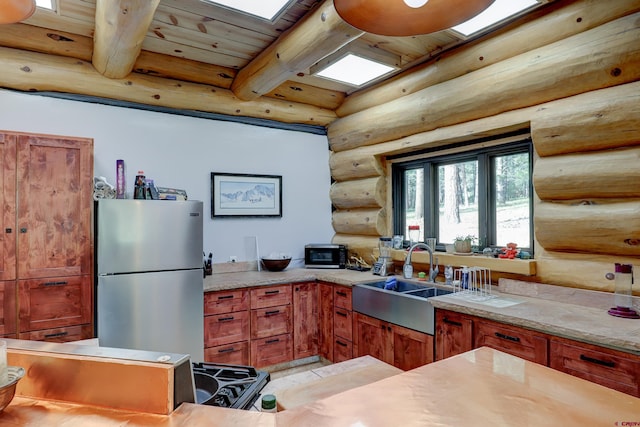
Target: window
[483, 190]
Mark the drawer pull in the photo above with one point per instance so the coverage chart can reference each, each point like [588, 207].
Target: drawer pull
[340, 313]
[341, 343]
[225, 319]
[226, 350]
[451, 322]
[275, 340]
[341, 293]
[507, 337]
[58, 283]
[271, 313]
[597, 361]
[56, 335]
[277, 291]
[225, 297]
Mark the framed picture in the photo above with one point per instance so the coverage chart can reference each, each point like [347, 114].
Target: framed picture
[244, 195]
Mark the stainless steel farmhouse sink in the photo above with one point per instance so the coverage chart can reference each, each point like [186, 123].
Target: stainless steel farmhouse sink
[406, 304]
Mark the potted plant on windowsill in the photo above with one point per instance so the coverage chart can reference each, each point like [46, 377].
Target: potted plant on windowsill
[462, 244]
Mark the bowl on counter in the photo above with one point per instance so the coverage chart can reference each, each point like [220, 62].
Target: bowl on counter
[275, 264]
[8, 389]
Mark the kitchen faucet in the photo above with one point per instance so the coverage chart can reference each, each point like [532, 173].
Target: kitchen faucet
[408, 267]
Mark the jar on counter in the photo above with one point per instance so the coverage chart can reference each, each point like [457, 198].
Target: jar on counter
[268, 403]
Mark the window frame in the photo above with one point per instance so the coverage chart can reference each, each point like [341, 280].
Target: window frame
[478, 150]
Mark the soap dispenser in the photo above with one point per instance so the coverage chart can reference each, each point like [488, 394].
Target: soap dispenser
[623, 298]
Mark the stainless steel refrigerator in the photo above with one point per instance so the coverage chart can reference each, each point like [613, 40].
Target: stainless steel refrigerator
[149, 276]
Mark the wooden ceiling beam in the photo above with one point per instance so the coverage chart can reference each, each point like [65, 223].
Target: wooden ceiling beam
[121, 27]
[317, 35]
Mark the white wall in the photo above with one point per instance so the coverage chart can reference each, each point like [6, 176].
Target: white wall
[181, 152]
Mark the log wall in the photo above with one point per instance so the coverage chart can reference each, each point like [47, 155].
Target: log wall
[577, 92]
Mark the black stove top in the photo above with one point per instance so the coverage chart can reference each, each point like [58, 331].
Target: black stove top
[229, 386]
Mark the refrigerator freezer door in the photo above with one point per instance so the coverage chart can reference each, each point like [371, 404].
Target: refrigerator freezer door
[152, 311]
[148, 235]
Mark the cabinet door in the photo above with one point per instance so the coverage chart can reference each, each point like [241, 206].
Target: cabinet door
[342, 297]
[54, 303]
[226, 301]
[226, 328]
[610, 368]
[8, 305]
[305, 320]
[8, 203]
[233, 354]
[411, 348]
[271, 321]
[454, 334]
[54, 206]
[270, 296]
[271, 350]
[374, 338]
[325, 320]
[519, 342]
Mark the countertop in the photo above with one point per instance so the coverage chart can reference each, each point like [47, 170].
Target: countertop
[483, 387]
[567, 312]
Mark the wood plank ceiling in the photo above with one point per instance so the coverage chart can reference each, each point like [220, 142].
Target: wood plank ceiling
[199, 42]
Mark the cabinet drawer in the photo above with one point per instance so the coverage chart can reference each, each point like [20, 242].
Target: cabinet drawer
[66, 334]
[342, 350]
[342, 297]
[271, 350]
[55, 302]
[270, 296]
[606, 367]
[271, 321]
[343, 323]
[519, 342]
[226, 301]
[226, 328]
[233, 354]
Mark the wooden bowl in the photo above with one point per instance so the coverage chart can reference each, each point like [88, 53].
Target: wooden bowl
[278, 264]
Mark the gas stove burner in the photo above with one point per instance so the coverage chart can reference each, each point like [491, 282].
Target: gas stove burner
[229, 386]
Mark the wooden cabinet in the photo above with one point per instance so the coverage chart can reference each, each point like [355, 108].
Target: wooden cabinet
[453, 334]
[271, 325]
[342, 324]
[457, 333]
[47, 241]
[325, 320]
[54, 303]
[226, 327]
[517, 341]
[399, 346]
[305, 320]
[610, 368]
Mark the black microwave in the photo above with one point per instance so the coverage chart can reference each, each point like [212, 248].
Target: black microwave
[325, 256]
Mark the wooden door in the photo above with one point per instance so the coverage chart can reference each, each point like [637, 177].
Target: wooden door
[454, 334]
[8, 306]
[305, 320]
[54, 206]
[374, 338]
[411, 348]
[8, 203]
[325, 320]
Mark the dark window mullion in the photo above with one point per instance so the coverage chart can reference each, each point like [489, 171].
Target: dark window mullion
[484, 200]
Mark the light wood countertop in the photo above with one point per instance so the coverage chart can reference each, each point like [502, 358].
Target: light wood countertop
[483, 387]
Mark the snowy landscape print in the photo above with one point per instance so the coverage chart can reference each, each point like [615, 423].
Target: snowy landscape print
[247, 195]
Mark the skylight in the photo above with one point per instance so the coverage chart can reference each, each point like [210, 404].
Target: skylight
[498, 11]
[46, 4]
[267, 9]
[354, 70]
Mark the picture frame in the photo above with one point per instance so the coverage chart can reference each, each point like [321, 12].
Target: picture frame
[245, 195]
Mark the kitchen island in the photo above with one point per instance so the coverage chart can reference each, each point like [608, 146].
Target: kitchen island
[482, 387]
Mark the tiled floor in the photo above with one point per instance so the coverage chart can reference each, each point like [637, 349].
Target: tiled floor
[286, 378]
